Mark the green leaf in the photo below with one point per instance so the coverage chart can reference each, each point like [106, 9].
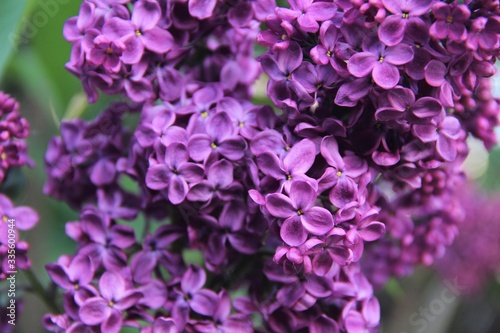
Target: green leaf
[13, 15]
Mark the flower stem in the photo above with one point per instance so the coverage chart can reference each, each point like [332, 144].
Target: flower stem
[39, 290]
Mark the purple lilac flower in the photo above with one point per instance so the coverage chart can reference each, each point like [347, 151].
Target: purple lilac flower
[294, 208]
[140, 33]
[14, 129]
[450, 21]
[299, 213]
[405, 19]
[106, 310]
[175, 174]
[380, 62]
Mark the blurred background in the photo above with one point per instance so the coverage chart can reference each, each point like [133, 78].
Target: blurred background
[32, 57]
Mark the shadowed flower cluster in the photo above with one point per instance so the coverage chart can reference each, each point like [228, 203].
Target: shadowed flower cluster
[303, 213]
[14, 220]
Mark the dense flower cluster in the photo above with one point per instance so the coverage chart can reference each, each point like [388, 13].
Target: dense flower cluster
[474, 256]
[14, 129]
[302, 212]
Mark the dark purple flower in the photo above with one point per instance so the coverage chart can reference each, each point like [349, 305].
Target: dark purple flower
[191, 294]
[294, 165]
[156, 251]
[450, 21]
[380, 61]
[342, 173]
[307, 13]
[220, 182]
[175, 173]
[106, 240]
[140, 33]
[280, 68]
[444, 130]
[483, 34]
[406, 19]
[220, 138]
[300, 214]
[107, 53]
[107, 309]
[201, 9]
[404, 106]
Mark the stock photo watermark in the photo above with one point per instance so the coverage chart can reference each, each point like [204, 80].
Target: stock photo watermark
[11, 273]
[420, 320]
[46, 10]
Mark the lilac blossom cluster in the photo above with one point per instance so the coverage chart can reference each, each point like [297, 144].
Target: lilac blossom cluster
[303, 212]
[14, 129]
[475, 254]
[13, 220]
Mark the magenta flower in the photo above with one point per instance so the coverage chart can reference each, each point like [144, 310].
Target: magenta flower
[293, 167]
[300, 214]
[444, 130]
[219, 183]
[140, 33]
[307, 13]
[107, 309]
[380, 61]
[406, 18]
[174, 173]
[450, 21]
[219, 139]
[107, 53]
[404, 106]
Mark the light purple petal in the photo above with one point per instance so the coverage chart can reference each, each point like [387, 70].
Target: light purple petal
[361, 64]
[201, 9]
[392, 30]
[344, 192]
[157, 40]
[158, 177]
[94, 311]
[301, 157]
[280, 205]
[385, 75]
[317, 220]
[146, 14]
[204, 302]
[199, 147]
[177, 190]
[292, 231]
[435, 72]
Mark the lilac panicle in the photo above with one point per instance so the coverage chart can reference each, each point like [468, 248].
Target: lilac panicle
[307, 211]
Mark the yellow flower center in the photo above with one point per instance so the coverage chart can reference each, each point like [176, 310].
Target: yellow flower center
[339, 173]
[406, 15]
[138, 33]
[3, 156]
[241, 124]
[449, 19]
[204, 114]
[213, 145]
[381, 59]
[288, 177]
[5, 218]
[300, 212]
